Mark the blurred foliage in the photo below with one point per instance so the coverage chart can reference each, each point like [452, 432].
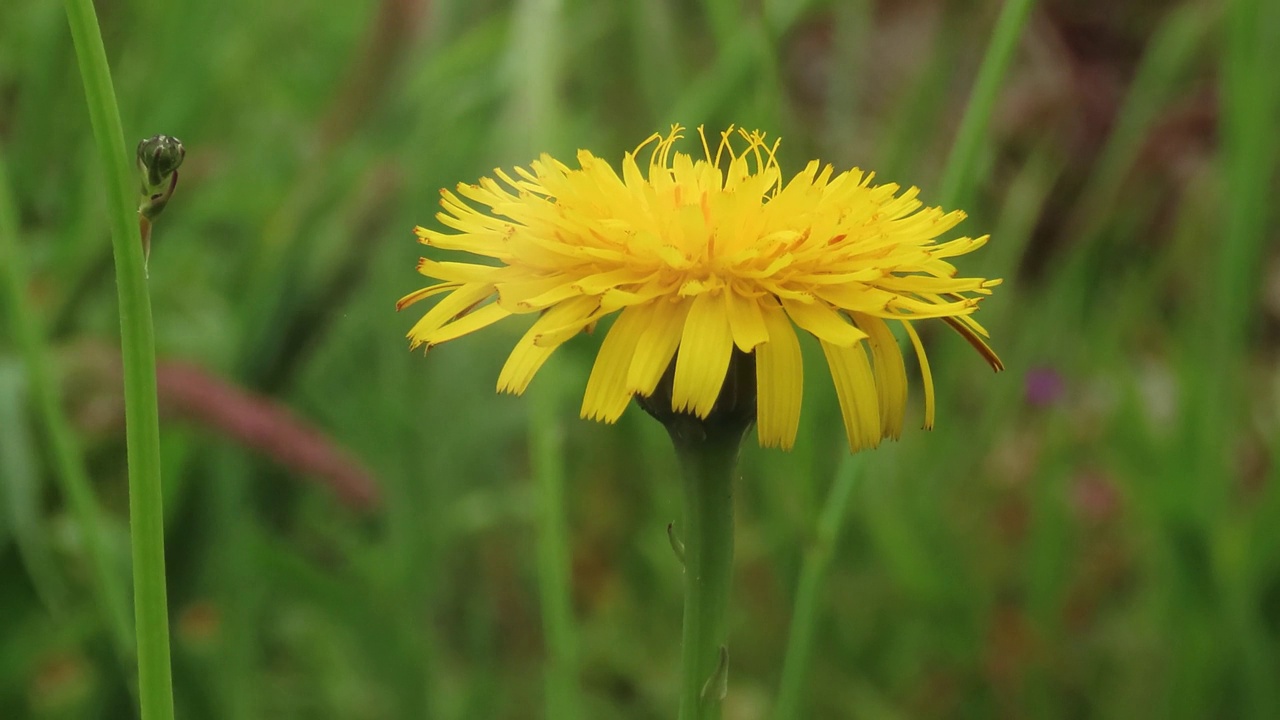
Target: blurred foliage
[1094, 533]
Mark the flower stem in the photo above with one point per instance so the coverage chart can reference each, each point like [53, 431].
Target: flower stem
[547, 456]
[708, 465]
[813, 573]
[142, 423]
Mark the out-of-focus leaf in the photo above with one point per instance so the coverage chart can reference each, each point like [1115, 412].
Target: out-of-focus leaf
[21, 511]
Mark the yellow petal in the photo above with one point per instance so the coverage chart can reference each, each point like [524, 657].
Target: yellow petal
[617, 298]
[552, 335]
[425, 293]
[468, 323]
[515, 293]
[779, 382]
[746, 321]
[529, 354]
[842, 277]
[657, 344]
[826, 324]
[925, 374]
[456, 271]
[607, 395]
[853, 297]
[891, 373]
[927, 284]
[856, 391]
[598, 283]
[453, 304]
[959, 246]
[705, 347]
[556, 293]
[920, 309]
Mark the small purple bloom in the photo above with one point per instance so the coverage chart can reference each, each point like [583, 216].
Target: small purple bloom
[1044, 386]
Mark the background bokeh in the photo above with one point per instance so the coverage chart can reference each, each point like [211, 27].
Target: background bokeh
[1093, 533]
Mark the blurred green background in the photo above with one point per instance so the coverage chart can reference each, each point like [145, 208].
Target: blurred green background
[1093, 533]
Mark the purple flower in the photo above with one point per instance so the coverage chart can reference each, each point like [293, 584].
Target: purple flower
[1044, 386]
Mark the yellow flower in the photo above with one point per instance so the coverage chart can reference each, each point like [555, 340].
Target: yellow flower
[702, 256]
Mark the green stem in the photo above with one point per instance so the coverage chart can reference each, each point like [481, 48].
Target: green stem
[813, 574]
[137, 344]
[547, 457]
[108, 584]
[238, 671]
[958, 171]
[708, 467]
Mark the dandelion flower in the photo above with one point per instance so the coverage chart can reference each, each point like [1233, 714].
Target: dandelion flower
[699, 258]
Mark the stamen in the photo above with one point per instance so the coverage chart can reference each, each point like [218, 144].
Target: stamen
[754, 141]
[641, 146]
[661, 153]
[724, 143]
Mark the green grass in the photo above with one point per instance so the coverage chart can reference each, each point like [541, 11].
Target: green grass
[1113, 554]
[138, 368]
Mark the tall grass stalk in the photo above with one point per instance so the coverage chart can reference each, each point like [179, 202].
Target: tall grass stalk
[69, 465]
[142, 422]
[546, 447]
[1169, 57]
[238, 671]
[1250, 109]
[813, 573]
[957, 175]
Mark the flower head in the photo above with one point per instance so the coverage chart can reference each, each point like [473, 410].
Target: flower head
[697, 257]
